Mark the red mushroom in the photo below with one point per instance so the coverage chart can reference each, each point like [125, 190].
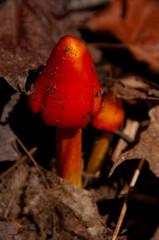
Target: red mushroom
[67, 93]
[109, 119]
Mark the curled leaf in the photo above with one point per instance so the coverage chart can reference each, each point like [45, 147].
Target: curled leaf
[148, 146]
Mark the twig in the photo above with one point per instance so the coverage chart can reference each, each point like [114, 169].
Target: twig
[23, 158]
[124, 207]
[9, 207]
[33, 160]
[54, 226]
[130, 130]
[124, 136]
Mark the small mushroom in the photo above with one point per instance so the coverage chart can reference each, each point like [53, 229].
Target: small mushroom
[109, 119]
[66, 94]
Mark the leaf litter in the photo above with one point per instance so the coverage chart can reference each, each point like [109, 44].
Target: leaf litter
[63, 211]
[62, 204]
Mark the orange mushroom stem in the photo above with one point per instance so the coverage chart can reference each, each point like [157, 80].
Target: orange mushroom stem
[68, 153]
[109, 119]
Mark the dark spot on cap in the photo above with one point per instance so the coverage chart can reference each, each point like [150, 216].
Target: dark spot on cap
[34, 98]
[97, 94]
[92, 70]
[66, 50]
[83, 116]
[44, 105]
[89, 113]
[48, 92]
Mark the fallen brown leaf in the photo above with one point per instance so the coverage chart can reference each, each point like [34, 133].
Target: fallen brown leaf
[148, 146]
[156, 235]
[64, 211]
[134, 23]
[8, 229]
[8, 148]
[134, 87]
[28, 33]
[9, 106]
[23, 41]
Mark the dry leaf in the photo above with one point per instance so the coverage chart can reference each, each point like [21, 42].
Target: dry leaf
[135, 90]
[9, 106]
[64, 211]
[8, 148]
[28, 32]
[136, 24]
[156, 235]
[23, 41]
[148, 146]
[8, 229]
[78, 213]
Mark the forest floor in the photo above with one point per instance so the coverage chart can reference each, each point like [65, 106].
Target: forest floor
[123, 39]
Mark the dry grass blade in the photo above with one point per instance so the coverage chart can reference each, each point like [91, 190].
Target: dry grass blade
[124, 207]
[33, 160]
[23, 158]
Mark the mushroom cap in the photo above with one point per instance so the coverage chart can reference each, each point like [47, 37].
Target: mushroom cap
[112, 114]
[67, 91]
